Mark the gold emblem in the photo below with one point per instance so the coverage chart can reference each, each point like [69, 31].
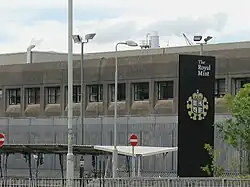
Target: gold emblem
[197, 106]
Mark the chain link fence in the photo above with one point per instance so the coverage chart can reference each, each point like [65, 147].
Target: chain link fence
[151, 131]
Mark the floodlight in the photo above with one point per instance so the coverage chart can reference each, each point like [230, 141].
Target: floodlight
[131, 43]
[197, 38]
[90, 36]
[208, 38]
[77, 38]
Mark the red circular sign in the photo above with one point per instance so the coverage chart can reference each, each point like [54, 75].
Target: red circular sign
[2, 139]
[133, 140]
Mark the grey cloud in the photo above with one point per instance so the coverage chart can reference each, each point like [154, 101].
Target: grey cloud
[188, 26]
[129, 29]
[221, 20]
[242, 35]
[119, 31]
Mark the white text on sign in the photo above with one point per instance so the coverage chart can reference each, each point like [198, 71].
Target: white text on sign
[203, 69]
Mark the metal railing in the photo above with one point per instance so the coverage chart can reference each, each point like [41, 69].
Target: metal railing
[128, 182]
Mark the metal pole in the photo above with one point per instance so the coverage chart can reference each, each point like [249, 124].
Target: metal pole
[133, 161]
[139, 166]
[70, 156]
[82, 90]
[201, 50]
[99, 80]
[28, 56]
[115, 152]
[82, 171]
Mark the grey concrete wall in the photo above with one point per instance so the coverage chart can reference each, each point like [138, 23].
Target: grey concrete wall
[50, 56]
[152, 131]
[131, 70]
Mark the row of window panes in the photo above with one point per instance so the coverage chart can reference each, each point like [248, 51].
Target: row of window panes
[238, 83]
[141, 92]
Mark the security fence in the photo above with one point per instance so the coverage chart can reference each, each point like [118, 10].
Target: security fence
[151, 131]
[127, 182]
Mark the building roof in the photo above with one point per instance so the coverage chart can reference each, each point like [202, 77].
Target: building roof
[38, 56]
[49, 149]
[138, 150]
[83, 149]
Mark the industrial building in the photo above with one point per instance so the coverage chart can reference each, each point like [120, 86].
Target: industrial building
[147, 94]
[148, 81]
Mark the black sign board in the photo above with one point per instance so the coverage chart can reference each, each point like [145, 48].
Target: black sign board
[195, 113]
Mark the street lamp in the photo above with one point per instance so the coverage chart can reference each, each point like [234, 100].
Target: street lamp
[198, 39]
[79, 40]
[29, 53]
[115, 152]
[70, 155]
[102, 60]
[207, 39]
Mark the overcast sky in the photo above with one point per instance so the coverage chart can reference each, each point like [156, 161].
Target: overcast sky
[44, 22]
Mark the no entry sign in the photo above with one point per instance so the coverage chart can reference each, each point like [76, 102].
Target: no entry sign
[133, 140]
[2, 139]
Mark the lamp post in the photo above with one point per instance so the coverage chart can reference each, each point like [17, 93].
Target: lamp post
[198, 39]
[115, 152]
[82, 171]
[103, 59]
[79, 40]
[70, 156]
[29, 53]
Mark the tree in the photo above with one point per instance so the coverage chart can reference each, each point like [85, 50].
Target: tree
[213, 169]
[236, 129]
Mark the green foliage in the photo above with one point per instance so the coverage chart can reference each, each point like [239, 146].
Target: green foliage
[236, 130]
[214, 168]
[244, 177]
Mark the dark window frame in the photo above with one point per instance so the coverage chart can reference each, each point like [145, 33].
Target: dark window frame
[14, 96]
[220, 91]
[165, 94]
[98, 95]
[121, 92]
[242, 81]
[53, 95]
[141, 88]
[76, 94]
[33, 95]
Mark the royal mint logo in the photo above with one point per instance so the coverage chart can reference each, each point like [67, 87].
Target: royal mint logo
[203, 70]
[197, 106]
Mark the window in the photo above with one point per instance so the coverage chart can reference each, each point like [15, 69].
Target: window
[14, 96]
[33, 95]
[239, 83]
[53, 94]
[95, 93]
[220, 87]
[76, 94]
[141, 91]
[1, 93]
[165, 90]
[121, 92]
